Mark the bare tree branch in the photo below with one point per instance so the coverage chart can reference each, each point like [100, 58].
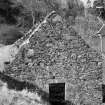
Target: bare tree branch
[32, 12]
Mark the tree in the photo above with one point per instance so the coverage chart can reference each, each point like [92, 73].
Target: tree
[99, 8]
[10, 11]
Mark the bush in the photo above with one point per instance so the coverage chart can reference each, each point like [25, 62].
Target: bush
[9, 35]
[9, 11]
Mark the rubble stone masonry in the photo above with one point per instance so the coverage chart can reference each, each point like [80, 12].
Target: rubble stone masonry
[59, 54]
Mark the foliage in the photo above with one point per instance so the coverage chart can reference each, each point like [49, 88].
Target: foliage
[9, 34]
[25, 13]
[10, 11]
[12, 97]
[98, 11]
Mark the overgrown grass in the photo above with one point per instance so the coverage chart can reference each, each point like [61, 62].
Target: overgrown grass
[12, 97]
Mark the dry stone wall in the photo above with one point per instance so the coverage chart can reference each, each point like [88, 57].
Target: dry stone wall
[59, 54]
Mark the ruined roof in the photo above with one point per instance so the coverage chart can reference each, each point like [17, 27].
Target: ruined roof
[56, 53]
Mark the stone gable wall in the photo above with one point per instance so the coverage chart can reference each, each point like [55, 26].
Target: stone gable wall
[60, 55]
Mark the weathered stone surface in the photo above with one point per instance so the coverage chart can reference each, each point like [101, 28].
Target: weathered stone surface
[60, 55]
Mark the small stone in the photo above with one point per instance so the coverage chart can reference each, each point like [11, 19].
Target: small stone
[73, 56]
[7, 62]
[100, 64]
[42, 65]
[30, 52]
[57, 18]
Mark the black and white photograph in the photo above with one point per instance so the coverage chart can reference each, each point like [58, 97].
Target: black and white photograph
[52, 52]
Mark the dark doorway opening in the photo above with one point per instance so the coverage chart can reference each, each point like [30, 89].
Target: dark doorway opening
[103, 93]
[57, 93]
